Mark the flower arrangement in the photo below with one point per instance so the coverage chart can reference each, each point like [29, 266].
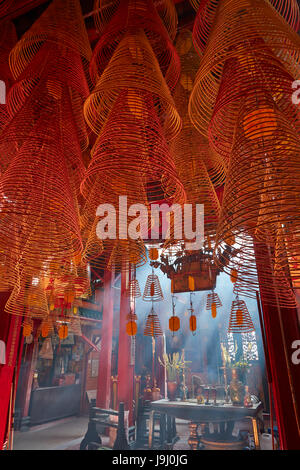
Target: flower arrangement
[174, 364]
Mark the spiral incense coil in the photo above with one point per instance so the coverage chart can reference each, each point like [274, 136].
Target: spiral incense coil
[213, 298]
[206, 12]
[28, 296]
[134, 15]
[45, 211]
[106, 9]
[152, 291]
[153, 327]
[242, 77]
[8, 39]
[241, 29]
[62, 25]
[132, 66]
[134, 289]
[240, 319]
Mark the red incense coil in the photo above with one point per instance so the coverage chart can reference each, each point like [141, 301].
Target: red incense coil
[132, 15]
[240, 319]
[153, 291]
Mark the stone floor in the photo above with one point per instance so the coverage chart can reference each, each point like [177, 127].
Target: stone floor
[67, 434]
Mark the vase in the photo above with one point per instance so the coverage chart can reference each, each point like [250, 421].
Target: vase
[172, 389]
[236, 389]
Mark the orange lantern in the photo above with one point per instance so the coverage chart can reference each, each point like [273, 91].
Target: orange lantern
[193, 323]
[27, 328]
[63, 331]
[45, 330]
[153, 254]
[191, 283]
[174, 323]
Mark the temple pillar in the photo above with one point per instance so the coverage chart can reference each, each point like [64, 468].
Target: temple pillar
[104, 374]
[10, 333]
[281, 330]
[125, 360]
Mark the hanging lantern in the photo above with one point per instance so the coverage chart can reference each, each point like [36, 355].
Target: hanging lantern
[174, 323]
[193, 323]
[153, 254]
[233, 275]
[191, 283]
[152, 291]
[63, 331]
[240, 319]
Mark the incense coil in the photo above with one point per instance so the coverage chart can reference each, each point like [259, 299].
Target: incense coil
[132, 66]
[47, 214]
[266, 32]
[61, 24]
[206, 12]
[106, 9]
[132, 15]
[134, 289]
[248, 75]
[152, 291]
[153, 327]
[240, 319]
[8, 38]
[213, 298]
[28, 297]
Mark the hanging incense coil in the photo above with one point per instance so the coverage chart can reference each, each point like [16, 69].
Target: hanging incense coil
[206, 12]
[152, 291]
[62, 24]
[213, 302]
[133, 15]
[46, 328]
[134, 289]
[133, 57]
[263, 44]
[131, 325]
[8, 38]
[261, 204]
[240, 320]
[63, 331]
[106, 9]
[28, 296]
[27, 327]
[153, 327]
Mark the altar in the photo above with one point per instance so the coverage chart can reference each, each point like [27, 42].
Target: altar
[202, 414]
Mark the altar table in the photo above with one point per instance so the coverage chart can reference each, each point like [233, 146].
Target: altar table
[202, 414]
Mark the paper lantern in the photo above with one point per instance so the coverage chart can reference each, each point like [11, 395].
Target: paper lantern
[240, 320]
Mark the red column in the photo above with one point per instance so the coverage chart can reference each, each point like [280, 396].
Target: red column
[125, 368]
[282, 328]
[104, 374]
[10, 333]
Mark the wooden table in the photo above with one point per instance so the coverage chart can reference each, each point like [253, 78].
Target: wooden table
[197, 414]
